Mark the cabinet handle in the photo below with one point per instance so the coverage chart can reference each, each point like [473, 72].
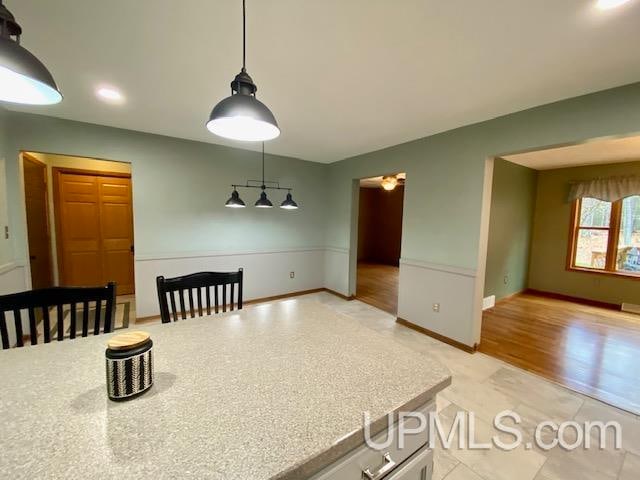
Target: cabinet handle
[386, 468]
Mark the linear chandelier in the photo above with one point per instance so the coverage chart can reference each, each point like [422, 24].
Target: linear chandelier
[242, 116]
[263, 201]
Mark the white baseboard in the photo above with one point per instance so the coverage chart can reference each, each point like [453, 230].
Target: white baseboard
[488, 302]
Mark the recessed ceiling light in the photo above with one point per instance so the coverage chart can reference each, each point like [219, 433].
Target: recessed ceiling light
[608, 4]
[110, 94]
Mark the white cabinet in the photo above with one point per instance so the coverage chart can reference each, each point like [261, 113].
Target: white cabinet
[417, 467]
[414, 461]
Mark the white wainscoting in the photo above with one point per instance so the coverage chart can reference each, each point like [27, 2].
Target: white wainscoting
[13, 279]
[336, 270]
[266, 273]
[423, 284]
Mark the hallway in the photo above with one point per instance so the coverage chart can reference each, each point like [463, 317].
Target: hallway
[378, 286]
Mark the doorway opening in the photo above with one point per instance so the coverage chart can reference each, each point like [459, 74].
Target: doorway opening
[79, 216]
[562, 266]
[381, 201]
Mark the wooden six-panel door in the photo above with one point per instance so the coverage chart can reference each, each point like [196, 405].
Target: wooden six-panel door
[94, 229]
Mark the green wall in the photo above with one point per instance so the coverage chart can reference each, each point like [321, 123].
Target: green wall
[180, 188]
[443, 192]
[510, 228]
[551, 235]
[6, 249]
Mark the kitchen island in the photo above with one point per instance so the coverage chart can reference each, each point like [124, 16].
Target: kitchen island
[274, 391]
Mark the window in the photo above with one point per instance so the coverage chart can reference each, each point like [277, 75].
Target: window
[606, 236]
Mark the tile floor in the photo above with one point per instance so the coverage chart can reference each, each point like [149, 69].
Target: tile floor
[486, 386]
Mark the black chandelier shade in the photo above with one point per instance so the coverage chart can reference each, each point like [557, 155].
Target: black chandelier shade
[235, 201]
[242, 116]
[288, 203]
[23, 78]
[263, 201]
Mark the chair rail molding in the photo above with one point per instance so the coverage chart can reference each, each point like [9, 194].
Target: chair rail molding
[465, 272]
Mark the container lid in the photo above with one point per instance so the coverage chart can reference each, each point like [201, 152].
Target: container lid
[128, 340]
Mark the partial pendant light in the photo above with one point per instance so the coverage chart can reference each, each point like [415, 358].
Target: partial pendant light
[288, 203]
[23, 78]
[263, 201]
[242, 116]
[235, 201]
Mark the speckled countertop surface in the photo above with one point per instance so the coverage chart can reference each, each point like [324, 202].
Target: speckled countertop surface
[276, 391]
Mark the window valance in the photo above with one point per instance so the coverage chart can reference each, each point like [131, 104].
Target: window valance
[609, 189]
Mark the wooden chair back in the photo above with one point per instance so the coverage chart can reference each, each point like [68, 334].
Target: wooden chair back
[169, 288]
[39, 303]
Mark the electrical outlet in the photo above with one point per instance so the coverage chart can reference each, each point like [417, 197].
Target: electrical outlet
[506, 279]
[436, 307]
[292, 274]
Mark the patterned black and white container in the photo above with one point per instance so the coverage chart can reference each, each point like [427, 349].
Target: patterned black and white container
[129, 365]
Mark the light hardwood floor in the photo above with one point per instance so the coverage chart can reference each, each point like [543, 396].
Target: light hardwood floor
[378, 286]
[593, 350]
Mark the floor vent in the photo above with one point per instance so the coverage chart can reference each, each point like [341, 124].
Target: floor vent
[631, 308]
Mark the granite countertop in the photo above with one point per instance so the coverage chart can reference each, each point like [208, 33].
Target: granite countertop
[275, 391]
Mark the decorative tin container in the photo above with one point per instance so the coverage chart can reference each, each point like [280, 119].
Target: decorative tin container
[129, 365]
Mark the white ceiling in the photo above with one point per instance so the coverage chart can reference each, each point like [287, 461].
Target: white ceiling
[342, 77]
[615, 150]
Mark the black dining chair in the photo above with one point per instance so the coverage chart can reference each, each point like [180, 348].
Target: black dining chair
[38, 304]
[167, 288]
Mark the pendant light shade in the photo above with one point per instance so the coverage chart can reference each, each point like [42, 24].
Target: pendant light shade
[23, 78]
[235, 201]
[263, 201]
[288, 203]
[242, 116]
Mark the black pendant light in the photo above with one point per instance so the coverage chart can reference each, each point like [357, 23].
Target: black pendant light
[288, 203]
[23, 78]
[235, 201]
[242, 116]
[263, 201]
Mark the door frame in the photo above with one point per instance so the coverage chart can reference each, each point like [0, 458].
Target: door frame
[30, 158]
[353, 229]
[55, 174]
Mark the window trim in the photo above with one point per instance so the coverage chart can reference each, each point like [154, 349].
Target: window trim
[612, 246]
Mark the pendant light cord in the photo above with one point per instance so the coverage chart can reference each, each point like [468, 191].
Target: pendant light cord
[263, 186]
[244, 36]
